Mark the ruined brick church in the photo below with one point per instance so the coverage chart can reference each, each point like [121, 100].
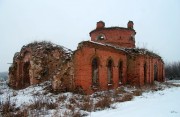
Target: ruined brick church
[110, 59]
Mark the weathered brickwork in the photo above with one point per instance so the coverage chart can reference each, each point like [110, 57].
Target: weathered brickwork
[138, 66]
[110, 59]
[83, 66]
[38, 62]
[118, 36]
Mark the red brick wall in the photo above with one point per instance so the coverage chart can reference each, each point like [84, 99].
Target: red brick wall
[135, 70]
[83, 70]
[133, 67]
[116, 36]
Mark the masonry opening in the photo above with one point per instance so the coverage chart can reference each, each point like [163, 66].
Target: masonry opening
[95, 70]
[145, 73]
[100, 37]
[155, 72]
[110, 72]
[26, 78]
[120, 72]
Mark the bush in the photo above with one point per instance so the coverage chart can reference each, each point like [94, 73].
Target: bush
[72, 114]
[137, 92]
[127, 97]
[62, 98]
[119, 90]
[41, 101]
[104, 102]
[7, 106]
[87, 106]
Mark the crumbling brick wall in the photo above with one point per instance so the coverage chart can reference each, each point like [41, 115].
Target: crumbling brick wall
[140, 67]
[38, 62]
[63, 78]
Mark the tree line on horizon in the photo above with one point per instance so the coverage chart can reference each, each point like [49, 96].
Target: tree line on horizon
[172, 71]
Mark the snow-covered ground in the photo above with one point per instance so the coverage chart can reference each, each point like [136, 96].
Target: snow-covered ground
[174, 81]
[152, 103]
[165, 103]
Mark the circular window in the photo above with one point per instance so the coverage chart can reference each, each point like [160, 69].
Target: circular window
[101, 37]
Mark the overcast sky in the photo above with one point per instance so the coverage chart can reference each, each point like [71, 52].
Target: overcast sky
[68, 22]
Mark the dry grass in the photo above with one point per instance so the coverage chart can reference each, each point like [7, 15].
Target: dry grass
[103, 103]
[40, 105]
[72, 114]
[62, 98]
[118, 91]
[8, 109]
[73, 100]
[75, 104]
[41, 101]
[71, 107]
[7, 106]
[127, 97]
[87, 104]
[137, 92]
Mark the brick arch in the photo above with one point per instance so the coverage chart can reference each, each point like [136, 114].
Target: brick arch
[26, 56]
[101, 37]
[95, 56]
[26, 52]
[110, 58]
[120, 60]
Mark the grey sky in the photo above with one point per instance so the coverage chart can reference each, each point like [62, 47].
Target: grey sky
[68, 22]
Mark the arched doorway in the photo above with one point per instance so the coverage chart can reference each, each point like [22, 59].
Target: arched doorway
[26, 78]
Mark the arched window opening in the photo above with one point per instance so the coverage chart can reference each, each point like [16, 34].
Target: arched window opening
[145, 73]
[95, 70]
[155, 73]
[110, 72]
[100, 37]
[120, 72]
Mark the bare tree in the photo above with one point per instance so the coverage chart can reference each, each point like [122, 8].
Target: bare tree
[172, 70]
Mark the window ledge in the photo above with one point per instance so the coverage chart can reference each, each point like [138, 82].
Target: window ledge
[110, 84]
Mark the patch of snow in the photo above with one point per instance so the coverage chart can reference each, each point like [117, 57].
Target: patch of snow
[163, 103]
[174, 81]
[122, 49]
